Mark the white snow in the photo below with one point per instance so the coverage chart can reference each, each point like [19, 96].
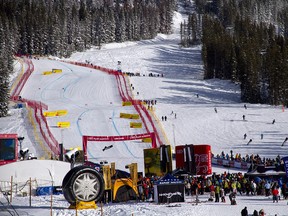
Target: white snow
[93, 103]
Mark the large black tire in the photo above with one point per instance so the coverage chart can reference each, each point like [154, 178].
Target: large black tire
[83, 183]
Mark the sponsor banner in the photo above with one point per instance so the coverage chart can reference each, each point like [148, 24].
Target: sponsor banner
[50, 113]
[113, 168]
[47, 72]
[135, 124]
[63, 124]
[85, 139]
[107, 176]
[127, 103]
[61, 112]
[285, 160]
[228, 163]
[190, 156]
[157, 162]
[147, 140]
[152, 162]
[135, 116]
[169, 193]
[129, 116]
[118, 138]
[133, 168]
[56, 70]
[125, 115]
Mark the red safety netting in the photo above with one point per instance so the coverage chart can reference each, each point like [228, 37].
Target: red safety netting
[125, 96]
[37, 108]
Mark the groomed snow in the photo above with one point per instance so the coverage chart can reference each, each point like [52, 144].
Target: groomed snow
[93, 103]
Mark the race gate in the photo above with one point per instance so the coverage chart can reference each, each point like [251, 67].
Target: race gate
[86, 139]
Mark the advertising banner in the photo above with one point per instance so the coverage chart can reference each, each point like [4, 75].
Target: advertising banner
[85, 139]
[203, 159]
[129, 116]
[107, 177]
[285, 160]
[63, 124]
[49, 113]
[56, 70]
[133, 168]
[135, 124]
[157, 161]
[195, 159]
[126, 103]
[169, 193]
[47, 72]
[61, 112]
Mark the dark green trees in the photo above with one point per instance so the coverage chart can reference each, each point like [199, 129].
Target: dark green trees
[239, 47]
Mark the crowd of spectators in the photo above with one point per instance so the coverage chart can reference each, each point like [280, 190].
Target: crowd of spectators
[221, 185]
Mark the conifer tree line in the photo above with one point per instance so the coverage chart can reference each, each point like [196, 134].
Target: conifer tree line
[244, 41]
[60, 27]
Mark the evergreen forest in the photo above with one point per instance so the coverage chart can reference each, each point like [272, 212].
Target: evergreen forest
[60, 27]
[244, 41]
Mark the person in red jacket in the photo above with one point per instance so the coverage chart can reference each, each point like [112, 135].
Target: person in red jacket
[275, 193]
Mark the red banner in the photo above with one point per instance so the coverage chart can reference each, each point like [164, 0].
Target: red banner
[85, 139]
[199, 157]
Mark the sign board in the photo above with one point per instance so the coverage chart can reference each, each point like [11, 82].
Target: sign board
[8, 148]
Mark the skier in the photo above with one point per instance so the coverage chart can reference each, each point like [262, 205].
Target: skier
[215, 109]
[243, 117]
[245, 135]
[273, 122]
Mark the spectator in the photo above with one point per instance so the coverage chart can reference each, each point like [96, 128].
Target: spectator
[244, 212]
[261, 212]
[275, 194]
[255, 213]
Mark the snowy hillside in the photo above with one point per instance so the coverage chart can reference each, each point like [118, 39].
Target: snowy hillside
[93, 104]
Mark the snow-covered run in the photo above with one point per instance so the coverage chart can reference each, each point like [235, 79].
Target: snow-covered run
[93, 103]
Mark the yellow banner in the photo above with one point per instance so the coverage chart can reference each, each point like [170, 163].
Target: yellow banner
[56, 70]
[126, 103]
[63, 124]
[135, 124]
[152, 162]
[47, 72]
[107, 177]
[134, 173]
[129, 116]
[61, 112]
[135, 116]
[147, 140]
[49, 113]
[125, 115]
[113, 168]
